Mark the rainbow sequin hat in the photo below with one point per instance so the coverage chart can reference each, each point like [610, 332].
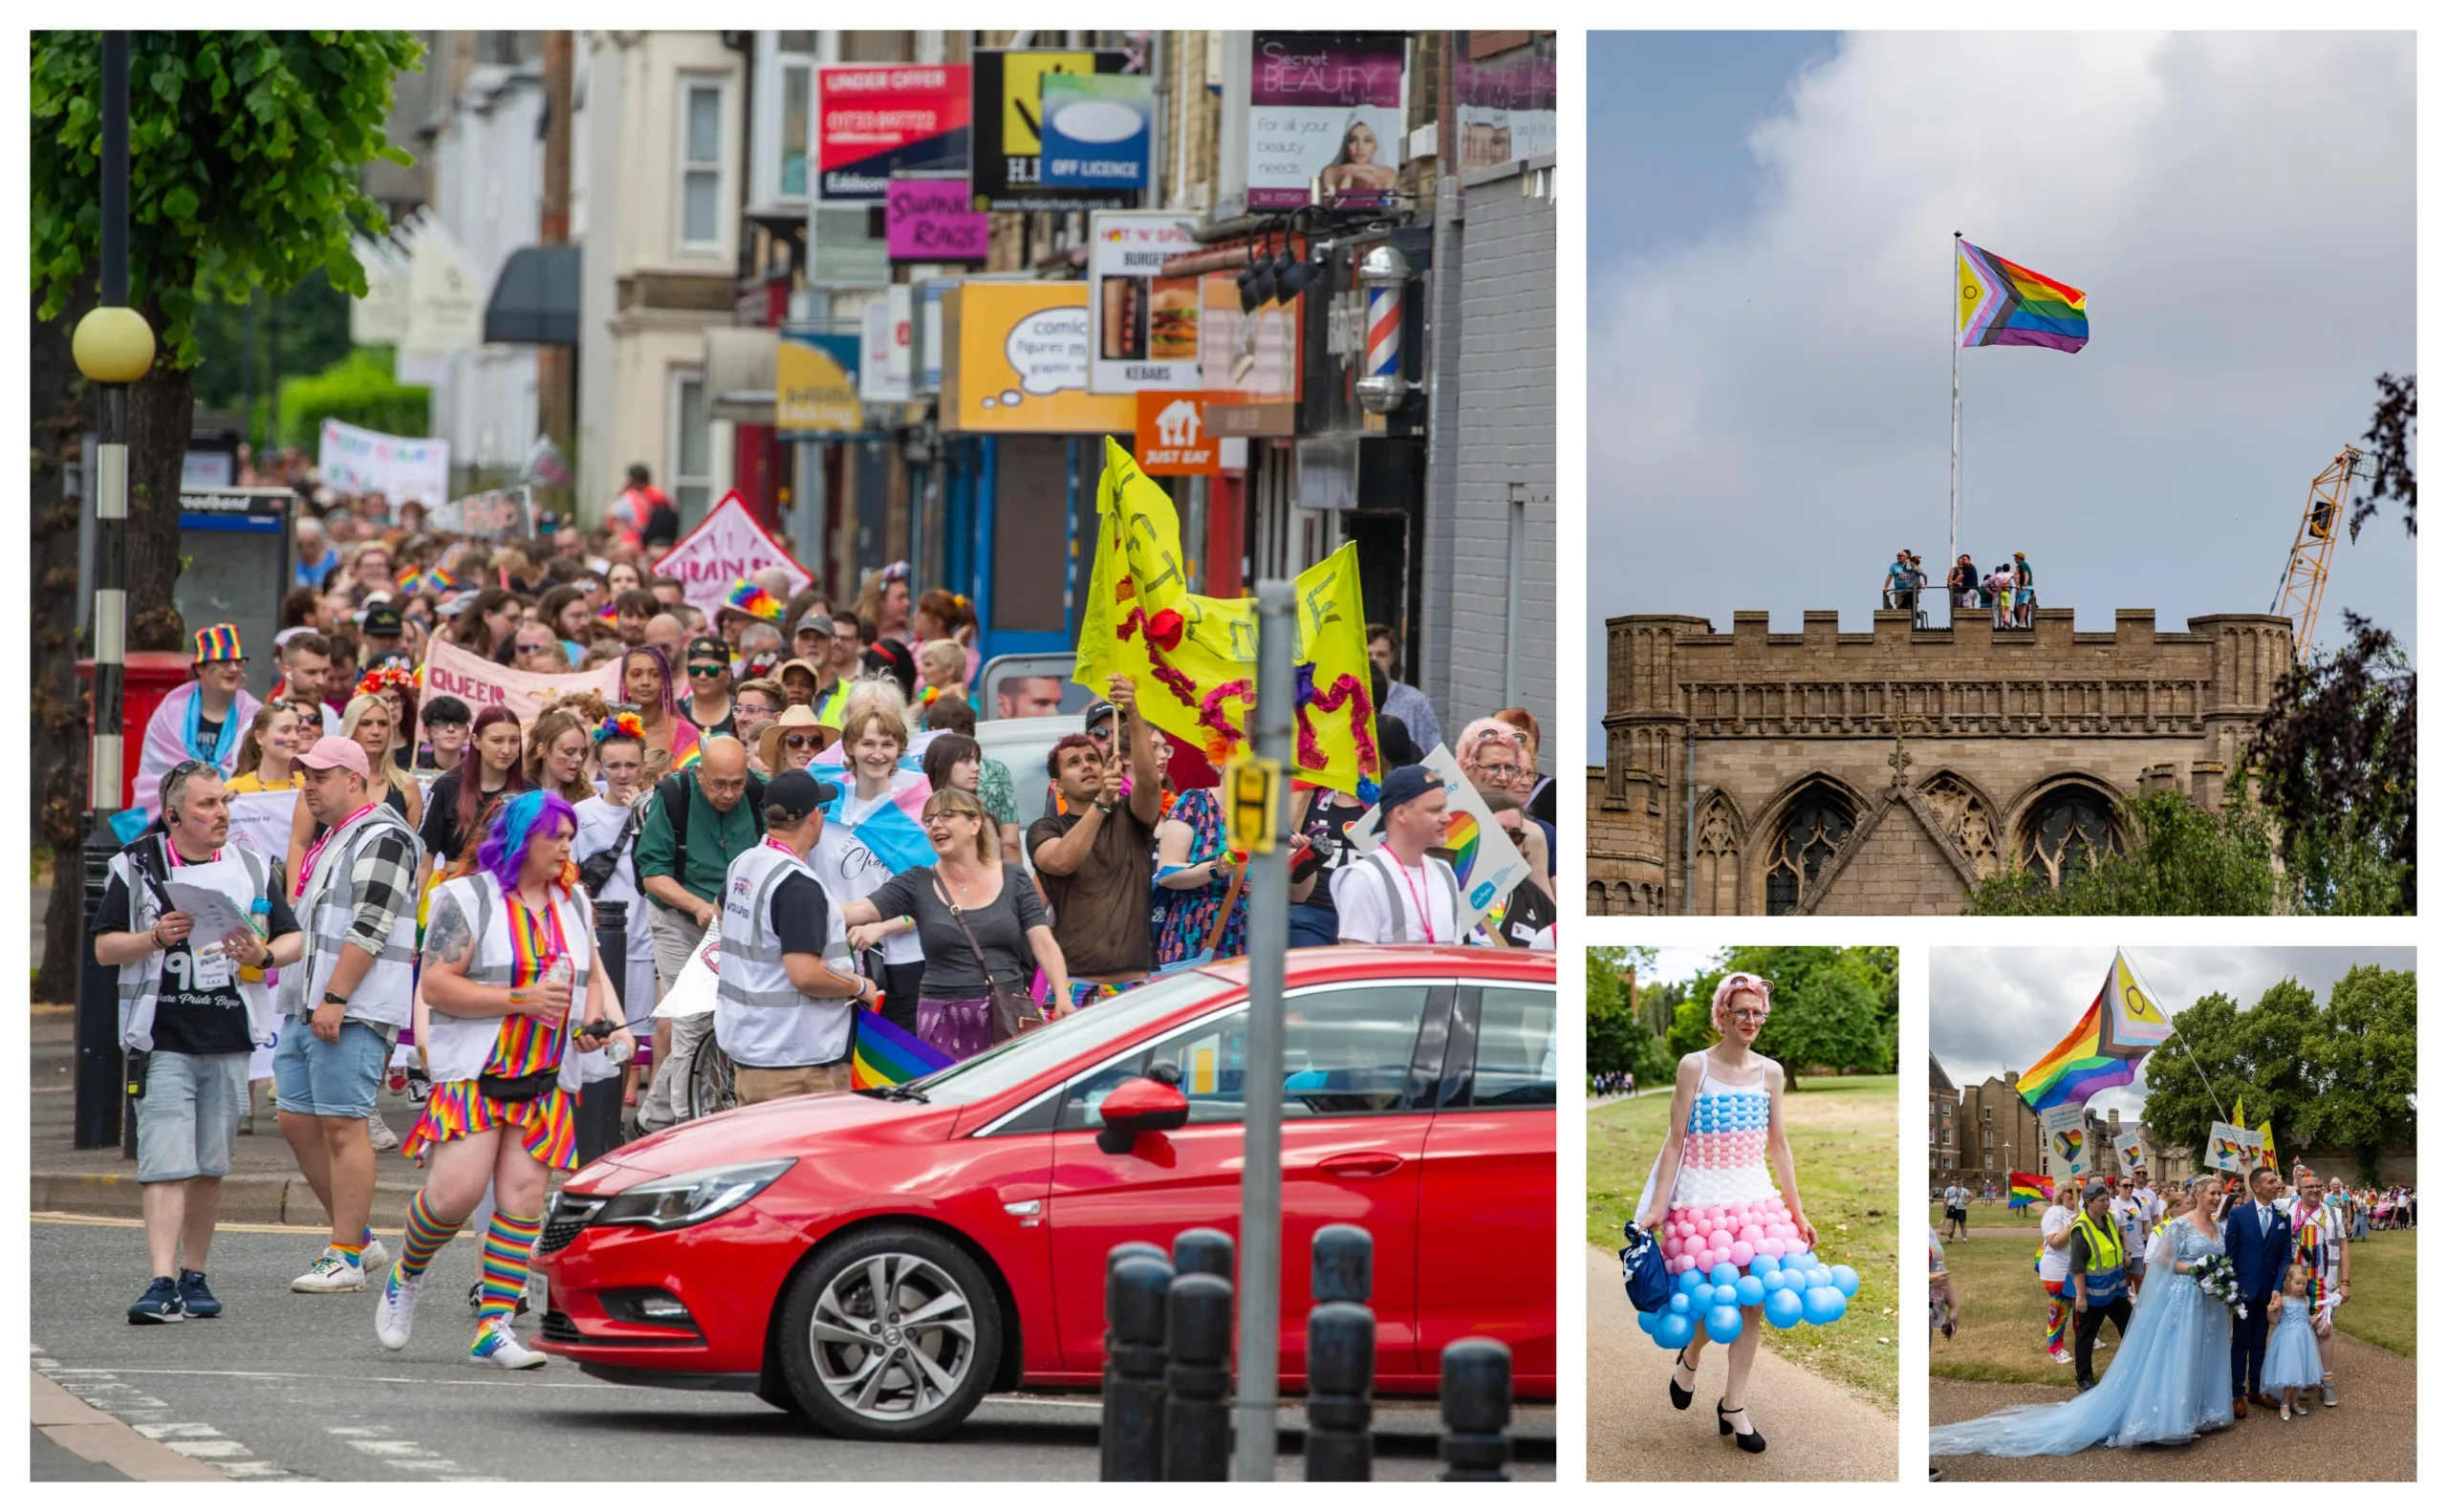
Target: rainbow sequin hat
[218, 643]
[746, 598]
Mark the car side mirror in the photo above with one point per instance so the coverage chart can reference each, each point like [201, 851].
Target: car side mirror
[1140, 1105]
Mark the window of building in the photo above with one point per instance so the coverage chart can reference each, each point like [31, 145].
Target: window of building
[2067, 832]
[700, 164]
[1814, 826]
[1988, 1162]
[692, 450]
[798, 95]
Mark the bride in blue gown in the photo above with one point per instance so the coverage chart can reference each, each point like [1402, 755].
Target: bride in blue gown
[2168, 1382]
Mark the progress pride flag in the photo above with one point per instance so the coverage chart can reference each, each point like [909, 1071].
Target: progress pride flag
[729, 545]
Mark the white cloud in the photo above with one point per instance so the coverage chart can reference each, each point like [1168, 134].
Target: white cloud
[1769, 410]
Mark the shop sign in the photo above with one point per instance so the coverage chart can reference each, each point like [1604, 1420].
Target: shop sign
[927, 219]
[1327, 117]
[1098, 131]
[884, 348]
[1019, 355]
[1504, 107]
[816, 384]
[1007, 113]
[1248, 364]
[1174, 440]
[877, 120]
[1144, 328]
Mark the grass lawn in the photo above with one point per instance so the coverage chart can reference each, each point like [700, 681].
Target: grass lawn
[1843, 1134]
[2002, 1335]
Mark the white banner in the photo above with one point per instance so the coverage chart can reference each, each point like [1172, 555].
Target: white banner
[726, 546]
[492, 515]
[2232, 1147]
[354, 459]
[694, 992]
[261, 821]
[1485, 861]
[478, 683]
[2066, 1141]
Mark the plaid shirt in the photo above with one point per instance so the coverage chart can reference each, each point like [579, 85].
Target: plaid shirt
[386, 878]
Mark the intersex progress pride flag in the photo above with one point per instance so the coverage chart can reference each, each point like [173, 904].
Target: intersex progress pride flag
[2003, 304]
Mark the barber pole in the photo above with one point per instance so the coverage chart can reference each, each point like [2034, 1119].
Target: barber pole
[1383, 272]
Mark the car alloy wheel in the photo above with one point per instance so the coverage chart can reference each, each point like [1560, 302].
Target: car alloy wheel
[890, 1333]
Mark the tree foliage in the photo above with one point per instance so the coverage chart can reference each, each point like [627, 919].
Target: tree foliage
[2179, 859]
[244, 153]
[312, 336]
[1832, 1007]
[2391, 436]
[2335, 756]
[2339, 1075]
[358, 389]
[1620, 1043]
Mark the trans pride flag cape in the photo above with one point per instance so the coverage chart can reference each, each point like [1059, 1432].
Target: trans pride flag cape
[890, 829]
[884, 1054]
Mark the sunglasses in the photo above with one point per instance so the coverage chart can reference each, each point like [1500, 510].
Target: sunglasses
[524, 646]
[710, 669]
[1102, 734]
[803, 742]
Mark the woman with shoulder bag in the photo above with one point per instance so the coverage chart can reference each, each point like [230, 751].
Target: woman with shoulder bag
[510, 1002]
[982, 927]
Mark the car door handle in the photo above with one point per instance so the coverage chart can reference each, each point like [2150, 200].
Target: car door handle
[1361, 1163]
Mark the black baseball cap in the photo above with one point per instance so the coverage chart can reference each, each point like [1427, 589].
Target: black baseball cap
[794, 795]
[713, 646]
[1404, 783]
[1097, 712]
[381, 620]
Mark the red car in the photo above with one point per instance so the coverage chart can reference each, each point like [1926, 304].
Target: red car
[881, 1261]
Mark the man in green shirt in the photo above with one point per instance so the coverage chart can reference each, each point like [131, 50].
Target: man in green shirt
[697, 823]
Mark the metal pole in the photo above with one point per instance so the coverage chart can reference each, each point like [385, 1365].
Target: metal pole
[1953, 469]
[1262, 1149]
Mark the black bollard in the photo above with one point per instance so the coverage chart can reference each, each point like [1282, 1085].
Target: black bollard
[1341, 1263]
[1476, 1398]
[101, 1064]
[1198, 1380]
[599, 1102]
[1342, 1380]
[1202, 1252]
[1132, 1442]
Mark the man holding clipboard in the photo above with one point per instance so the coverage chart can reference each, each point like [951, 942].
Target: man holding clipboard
[192, 921]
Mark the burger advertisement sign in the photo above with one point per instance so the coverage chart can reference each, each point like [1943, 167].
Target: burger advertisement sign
[1142, 327]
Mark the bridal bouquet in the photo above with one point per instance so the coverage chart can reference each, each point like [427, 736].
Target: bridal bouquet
[2216, 1276]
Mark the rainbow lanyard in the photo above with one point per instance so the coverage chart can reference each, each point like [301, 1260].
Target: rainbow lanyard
[2310, 1251]
[535, 940]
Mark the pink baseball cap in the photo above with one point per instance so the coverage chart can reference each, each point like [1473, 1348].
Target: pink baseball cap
[337, 750]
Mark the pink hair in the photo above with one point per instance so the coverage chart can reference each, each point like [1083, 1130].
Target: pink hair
[1738, 982]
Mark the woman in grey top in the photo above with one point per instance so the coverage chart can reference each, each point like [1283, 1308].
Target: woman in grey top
[967, 885]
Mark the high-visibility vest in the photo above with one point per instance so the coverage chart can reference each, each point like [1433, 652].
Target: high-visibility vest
[2104, 1280]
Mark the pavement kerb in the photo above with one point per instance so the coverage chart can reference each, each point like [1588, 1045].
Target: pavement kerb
[94, 1434]
[244, 1198]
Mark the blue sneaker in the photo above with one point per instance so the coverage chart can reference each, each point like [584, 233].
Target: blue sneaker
[160, 1304]
[195, 1297]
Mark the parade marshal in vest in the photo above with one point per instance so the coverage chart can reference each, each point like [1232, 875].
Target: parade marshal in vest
[785, 1008]
[2101, 1290]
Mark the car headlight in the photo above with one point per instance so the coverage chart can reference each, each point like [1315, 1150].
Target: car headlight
[676, 1201]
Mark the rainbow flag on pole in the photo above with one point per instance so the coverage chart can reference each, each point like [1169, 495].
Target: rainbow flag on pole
[2003, 304]
[2027, 1189]
[2085, 1063]
[884, 1054]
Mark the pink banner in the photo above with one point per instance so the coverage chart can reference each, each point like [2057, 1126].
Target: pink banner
[726, 546]
[478, 683]
[930, 220]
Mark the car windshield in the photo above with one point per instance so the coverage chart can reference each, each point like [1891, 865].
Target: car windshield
[1021, 1059]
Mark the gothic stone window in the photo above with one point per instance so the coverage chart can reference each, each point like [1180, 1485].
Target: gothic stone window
[1964, 817]
[1814, 828]
[2069, 829]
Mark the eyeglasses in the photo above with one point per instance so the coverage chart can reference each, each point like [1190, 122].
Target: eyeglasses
[803, 742]
[1747, 1015]
[527, 646]
[1503, 770]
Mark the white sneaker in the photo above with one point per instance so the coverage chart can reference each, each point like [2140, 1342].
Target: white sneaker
[380, 1133]
[2328, 1392]
[331, 1272]
[375, 1255]
[397, 1312]
[497, 1345]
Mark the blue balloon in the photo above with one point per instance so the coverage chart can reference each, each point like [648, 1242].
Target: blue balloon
[1723, 1275]
[1786, 1280]
[1680, 1301]
[1721, 1296]
[1690, 1281]
[1809, 1258]
[1749, 1291]
[1822, 1305]
[1725, 1324]
[1648, 1321]
[1763, 1266]
[1784, 1308]
[1848, 1281]
[1673, 1330]
[1817, 1276]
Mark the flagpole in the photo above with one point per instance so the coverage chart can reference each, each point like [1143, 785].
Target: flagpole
[1953, 471]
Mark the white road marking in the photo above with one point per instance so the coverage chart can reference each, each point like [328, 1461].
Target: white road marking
[102, 1390]
[400, 1454]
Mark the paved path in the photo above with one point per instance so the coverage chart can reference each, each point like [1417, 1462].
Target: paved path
[1815, 1430]
[2369, 1435]
[287, 1386]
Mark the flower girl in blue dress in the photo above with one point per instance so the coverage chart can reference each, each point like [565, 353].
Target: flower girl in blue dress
[2294, 1361]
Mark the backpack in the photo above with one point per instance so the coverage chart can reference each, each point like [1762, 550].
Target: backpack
[672, 793]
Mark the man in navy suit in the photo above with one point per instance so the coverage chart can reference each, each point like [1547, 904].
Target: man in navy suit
[2260, 1240]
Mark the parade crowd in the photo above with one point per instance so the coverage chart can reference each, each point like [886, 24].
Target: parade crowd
[353, 882]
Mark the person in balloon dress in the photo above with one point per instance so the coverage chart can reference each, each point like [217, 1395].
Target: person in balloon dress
[1736, 1243]
[2168, 1382]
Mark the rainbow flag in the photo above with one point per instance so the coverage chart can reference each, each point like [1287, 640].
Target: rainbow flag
[2089, 1059]
[2139, 1024]
[884, 1054]
[683, 757]
[2027, 1189]
[2003, 304]
[432, 579]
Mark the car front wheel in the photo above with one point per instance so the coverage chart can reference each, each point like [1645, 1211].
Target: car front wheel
[890, 1333]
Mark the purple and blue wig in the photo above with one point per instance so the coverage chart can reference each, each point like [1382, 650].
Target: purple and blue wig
[534, 814]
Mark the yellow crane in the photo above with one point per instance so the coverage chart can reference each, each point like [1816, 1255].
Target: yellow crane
[2306, 567]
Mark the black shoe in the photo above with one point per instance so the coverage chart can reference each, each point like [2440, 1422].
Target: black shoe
[195, 1297]
[1680, 1398]
[2079, 1387]
[160, 1304]
[1750, 1443]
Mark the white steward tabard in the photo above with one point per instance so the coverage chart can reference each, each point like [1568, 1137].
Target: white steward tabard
[327, 910]
[457, 1049]
[761, 1021]
[238, 874]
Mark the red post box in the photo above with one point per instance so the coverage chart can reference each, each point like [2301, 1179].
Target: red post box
[151, 677]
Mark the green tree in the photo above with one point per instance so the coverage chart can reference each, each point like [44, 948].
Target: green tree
[2181, 860]
[244, 151]
[312, 336]
[1658, 1000]
[1831, 1007]
[2271, 1060]
[358, 389]
[2369, 1064]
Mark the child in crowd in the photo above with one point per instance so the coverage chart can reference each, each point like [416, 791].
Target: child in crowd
[2294, 1361]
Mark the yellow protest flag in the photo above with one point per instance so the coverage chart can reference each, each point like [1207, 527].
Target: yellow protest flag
[1194, 657]
[2268, 1146]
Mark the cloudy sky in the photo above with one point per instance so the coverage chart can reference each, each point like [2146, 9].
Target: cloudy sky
[1994, 1011]
[1770, 312]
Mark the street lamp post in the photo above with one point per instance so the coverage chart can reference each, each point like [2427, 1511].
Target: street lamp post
[113, 347]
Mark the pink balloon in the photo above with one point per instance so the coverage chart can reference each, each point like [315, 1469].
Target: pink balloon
[1741, 1253]
[1771, 1246]
[1719, 1239]
[1719, 1257]
[1684, 1229]
[1752, 1234]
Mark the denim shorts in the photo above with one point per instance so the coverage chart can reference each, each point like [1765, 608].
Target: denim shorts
[333, 1079]
[189, 1116]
